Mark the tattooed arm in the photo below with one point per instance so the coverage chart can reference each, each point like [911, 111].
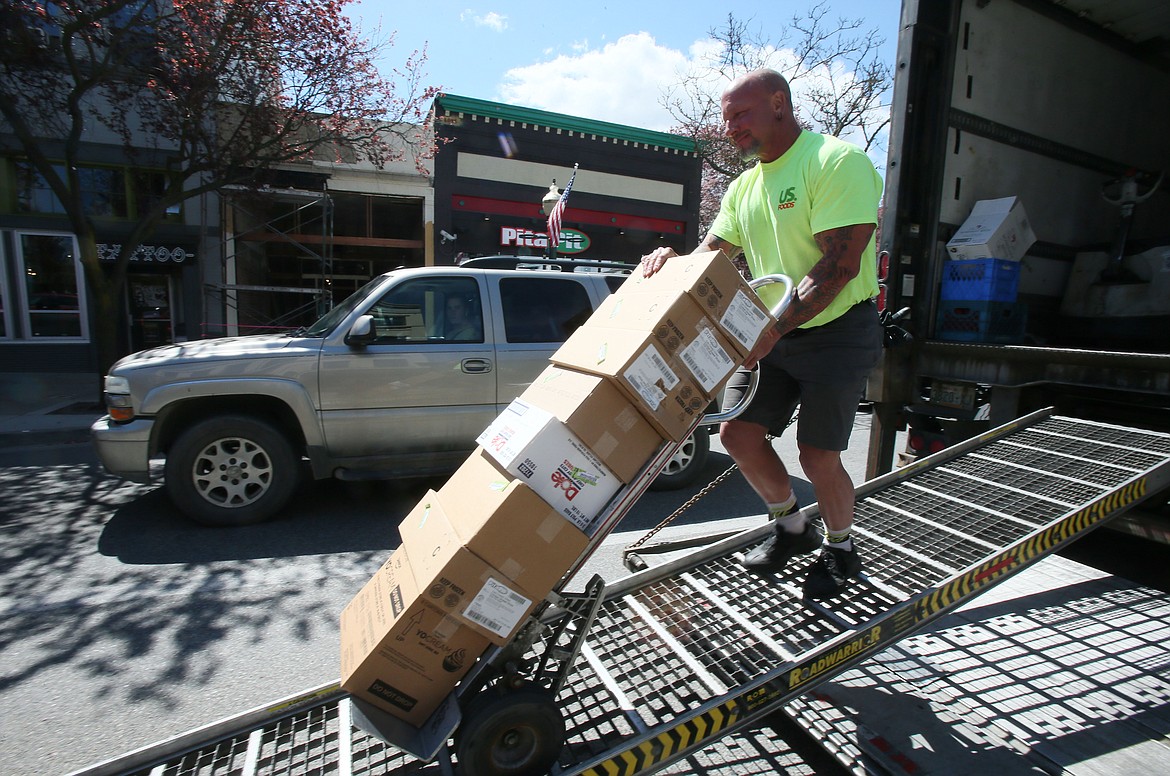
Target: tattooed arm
[713, 242]
[840, 262]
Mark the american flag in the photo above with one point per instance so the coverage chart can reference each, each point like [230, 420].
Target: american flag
[554, 218]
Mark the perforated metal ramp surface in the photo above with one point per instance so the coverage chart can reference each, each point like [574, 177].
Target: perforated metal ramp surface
[683, 654]
[698, 647]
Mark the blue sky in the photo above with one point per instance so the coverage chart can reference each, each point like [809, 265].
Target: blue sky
[605, 60]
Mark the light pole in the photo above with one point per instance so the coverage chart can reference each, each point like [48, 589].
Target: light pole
[547, 203]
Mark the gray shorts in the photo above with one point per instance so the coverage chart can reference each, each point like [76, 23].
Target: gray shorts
[823, 370]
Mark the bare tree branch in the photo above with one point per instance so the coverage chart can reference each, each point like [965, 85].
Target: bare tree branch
[834, 66]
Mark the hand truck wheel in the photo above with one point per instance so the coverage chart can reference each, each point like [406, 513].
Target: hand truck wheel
[510, 732]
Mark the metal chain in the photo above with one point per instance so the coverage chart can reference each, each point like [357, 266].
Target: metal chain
[689, 503]
[703, 492]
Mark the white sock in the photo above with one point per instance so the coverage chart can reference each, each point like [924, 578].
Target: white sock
[841, 540]
[786, 520]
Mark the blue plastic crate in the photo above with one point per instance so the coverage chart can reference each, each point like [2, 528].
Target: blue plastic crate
[986, 280]
[979, 321]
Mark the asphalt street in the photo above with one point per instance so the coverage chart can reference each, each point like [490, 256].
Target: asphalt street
[124, 623]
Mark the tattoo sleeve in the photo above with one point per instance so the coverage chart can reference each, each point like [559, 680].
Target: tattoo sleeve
[840, 262]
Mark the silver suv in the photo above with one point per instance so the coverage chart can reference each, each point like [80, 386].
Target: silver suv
[396, 381]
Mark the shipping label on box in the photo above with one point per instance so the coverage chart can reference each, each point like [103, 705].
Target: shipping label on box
[649, 374]
[708, 359]
[678, 325]
[507, 524]
[996, 229]
[600, 415]
[715, 284]
[744, 320]
[397, 651]
[536, 447]
[662, 390]
[453, 579]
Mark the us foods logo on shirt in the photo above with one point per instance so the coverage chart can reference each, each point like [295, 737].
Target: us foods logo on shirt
[787, 199]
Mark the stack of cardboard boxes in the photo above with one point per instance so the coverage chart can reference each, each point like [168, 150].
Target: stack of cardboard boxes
[483, 551]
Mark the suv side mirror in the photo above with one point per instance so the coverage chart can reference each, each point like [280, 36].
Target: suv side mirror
[361, 333]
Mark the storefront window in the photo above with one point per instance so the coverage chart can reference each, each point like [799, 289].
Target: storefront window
[53, 282]
[148, 187]
[103, 191]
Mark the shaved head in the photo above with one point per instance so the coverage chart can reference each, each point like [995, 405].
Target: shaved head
[767, 81]
[757, 115]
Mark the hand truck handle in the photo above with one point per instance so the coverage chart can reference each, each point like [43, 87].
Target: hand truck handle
[754, 380]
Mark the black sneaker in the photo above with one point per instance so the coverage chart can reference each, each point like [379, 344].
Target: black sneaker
[831, 571]
[777, 549]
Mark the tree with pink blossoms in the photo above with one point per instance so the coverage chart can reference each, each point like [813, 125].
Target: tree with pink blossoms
[202, 93]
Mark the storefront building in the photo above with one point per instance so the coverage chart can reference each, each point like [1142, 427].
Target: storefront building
[634, 190]
[313, 237]
[45, 317]
[241, 262]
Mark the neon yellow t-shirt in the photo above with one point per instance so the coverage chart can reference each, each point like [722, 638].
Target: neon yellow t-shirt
[773, 210]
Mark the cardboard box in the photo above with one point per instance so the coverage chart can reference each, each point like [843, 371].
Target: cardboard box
[714, 283]
[674, 321]
[600, 415]
[457, 581]
[680, 329]
[532, 444]
[661, 388]
[504, 522]
[996, 229]
[397, 651]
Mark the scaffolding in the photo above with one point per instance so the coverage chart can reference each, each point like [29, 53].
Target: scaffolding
[250, 308]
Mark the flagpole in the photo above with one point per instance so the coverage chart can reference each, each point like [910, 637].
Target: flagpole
[554, 217]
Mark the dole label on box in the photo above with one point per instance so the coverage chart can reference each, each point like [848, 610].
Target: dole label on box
[539, 449]
[599, 414]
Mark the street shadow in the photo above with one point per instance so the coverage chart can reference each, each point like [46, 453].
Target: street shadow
[323, 518]
[150, 612]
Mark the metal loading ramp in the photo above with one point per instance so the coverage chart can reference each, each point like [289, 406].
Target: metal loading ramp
[696, 648]
[682, 654]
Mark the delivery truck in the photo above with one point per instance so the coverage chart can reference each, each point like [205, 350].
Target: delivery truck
[1026, 222]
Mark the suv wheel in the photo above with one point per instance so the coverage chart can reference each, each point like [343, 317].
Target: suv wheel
[687, 463]
[231, 470]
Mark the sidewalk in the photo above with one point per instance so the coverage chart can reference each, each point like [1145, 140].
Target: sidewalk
[47, 408]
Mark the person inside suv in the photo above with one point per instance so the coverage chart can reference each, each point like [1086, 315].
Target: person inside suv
[461, 324]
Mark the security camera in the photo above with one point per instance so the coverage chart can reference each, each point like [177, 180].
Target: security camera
[447, 236]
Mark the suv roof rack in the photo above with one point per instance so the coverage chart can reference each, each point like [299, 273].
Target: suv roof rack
[541, 262]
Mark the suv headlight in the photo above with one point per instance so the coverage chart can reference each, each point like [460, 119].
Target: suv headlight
[118, 401]
[116, 384]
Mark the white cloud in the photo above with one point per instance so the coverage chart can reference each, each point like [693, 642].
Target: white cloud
[491, 19]
[625, 81]
[622, 82]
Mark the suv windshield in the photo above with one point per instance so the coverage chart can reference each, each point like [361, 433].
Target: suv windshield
[330, 319]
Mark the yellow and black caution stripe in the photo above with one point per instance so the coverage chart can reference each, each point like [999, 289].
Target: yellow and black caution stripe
[668, 743]
[1012, 559]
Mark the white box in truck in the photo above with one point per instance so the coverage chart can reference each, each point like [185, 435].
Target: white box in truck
[996, 229]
